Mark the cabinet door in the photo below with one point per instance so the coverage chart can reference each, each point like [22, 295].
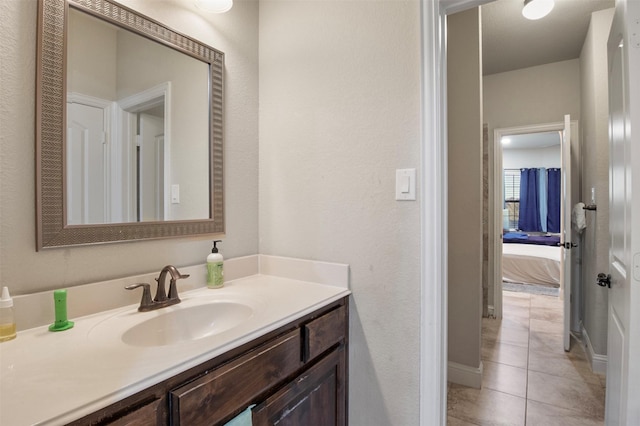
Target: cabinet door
[315, 398]
[215, 396]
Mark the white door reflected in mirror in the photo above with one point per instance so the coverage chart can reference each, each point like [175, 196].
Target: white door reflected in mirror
[87, 174]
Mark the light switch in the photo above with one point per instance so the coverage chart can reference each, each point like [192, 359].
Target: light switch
[175, 194]
[405, 184]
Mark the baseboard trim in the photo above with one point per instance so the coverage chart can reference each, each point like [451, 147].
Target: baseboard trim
[464, 375]
[598, 362]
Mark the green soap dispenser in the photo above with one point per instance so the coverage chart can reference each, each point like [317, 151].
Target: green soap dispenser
[215, 272]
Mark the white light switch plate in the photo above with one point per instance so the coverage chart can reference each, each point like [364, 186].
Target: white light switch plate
[406, 184]
[175, 194]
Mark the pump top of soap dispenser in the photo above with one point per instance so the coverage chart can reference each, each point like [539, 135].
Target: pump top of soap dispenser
[215, 249]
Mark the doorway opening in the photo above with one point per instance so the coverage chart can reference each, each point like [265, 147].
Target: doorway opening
[144, 124]
[528, 207]
[532, 242]
[462, 5]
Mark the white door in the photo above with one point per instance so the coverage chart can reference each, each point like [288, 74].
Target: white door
[86, 165]
[623, 351]
[565, 229]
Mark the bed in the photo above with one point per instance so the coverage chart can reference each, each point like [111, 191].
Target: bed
[532, 263]
[537, 238]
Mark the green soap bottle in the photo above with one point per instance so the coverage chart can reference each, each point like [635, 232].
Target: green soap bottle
[215, 264]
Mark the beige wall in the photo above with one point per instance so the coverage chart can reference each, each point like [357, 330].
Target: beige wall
[595, 174]
[22, 268]
[91, 60]
[464, 80]
[536, 95]
[339, 113]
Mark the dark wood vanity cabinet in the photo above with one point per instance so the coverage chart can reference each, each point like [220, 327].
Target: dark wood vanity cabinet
[296, 375]
[315, 398]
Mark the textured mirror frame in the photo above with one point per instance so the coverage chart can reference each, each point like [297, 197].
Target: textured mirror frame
[51, 227]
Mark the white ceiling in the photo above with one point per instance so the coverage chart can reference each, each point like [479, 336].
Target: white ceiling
[532, 140]
[510, 41]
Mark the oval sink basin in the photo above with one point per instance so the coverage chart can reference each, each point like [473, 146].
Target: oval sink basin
[191, 323]
[190, 320]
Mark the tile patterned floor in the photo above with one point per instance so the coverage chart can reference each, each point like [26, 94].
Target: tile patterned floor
[528, 377]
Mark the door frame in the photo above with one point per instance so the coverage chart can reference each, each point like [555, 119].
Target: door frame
[433, 332]
[434, 312]
[433, 205]
[126, 123]
[496, 211]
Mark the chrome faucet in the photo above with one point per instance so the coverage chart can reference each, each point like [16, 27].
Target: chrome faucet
[161, 300]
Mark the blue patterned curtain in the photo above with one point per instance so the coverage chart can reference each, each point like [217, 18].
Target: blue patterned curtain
[529, 216]
[553, 200]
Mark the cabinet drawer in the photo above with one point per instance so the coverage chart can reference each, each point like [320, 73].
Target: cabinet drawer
[145, 411]
[218, 394]
[147, 415]
[324, 332]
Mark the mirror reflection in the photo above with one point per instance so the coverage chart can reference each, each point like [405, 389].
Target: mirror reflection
[138, 152]
[137, 145]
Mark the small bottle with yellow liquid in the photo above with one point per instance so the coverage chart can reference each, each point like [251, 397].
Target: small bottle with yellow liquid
[7, 319]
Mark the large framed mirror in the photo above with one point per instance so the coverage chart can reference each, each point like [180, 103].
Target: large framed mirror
[129, 127]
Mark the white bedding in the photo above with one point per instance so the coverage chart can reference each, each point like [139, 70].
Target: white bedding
[531, 264]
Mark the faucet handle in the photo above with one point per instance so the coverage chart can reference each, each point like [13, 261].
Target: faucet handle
[173, 291]
[161, 294]
[173, 288]
[146, 303]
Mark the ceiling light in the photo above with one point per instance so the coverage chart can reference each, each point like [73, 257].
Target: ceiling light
[536, 9]
[505, 141]
[215, 6]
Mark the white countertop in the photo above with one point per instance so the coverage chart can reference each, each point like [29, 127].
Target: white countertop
[54, 378]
